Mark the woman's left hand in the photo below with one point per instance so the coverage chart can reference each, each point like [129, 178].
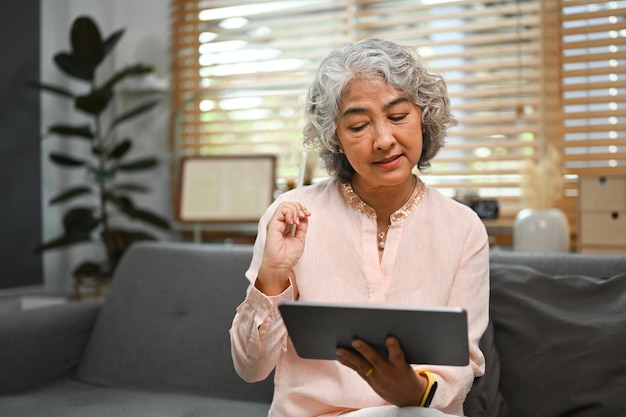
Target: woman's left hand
[392, 378]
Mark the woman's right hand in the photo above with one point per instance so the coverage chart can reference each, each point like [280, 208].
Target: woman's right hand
[282, 249]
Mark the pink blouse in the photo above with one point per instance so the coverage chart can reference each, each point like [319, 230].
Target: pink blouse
[436, 254]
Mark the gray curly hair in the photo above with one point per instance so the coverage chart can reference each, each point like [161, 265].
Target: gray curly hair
[402, 68]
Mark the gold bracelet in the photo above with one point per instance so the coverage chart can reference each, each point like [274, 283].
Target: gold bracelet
[430, 388]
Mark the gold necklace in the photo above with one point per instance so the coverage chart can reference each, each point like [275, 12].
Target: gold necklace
[381, 234]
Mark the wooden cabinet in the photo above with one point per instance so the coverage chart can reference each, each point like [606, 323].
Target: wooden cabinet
[602, 214]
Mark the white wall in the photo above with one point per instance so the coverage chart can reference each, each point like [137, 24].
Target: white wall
[146, 40]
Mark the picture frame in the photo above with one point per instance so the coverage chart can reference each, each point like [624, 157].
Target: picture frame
[225, 188]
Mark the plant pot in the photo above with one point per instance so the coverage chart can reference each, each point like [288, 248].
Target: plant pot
[541, 230]
[89, 288]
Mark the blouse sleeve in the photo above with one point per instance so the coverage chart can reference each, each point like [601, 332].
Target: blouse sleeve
[470, 290]
[258, 334]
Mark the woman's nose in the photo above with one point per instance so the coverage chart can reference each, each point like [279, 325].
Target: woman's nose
[383, 136]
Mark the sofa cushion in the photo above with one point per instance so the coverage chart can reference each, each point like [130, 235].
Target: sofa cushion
[27, 361]
[68, 398]
[165, 320]
[485, 399]
[561, 341]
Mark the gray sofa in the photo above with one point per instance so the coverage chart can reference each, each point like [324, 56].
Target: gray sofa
[158, 345]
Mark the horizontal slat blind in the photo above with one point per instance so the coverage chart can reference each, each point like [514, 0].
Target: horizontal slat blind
[594, 87]
[522, 75]
[490, 54]
[242, 69]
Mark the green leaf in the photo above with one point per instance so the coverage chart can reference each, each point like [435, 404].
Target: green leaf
[70, 65]
[130, 236]
[54, 89]
[123, 203]
[112, 40]
[134, 112]
[127, 206]
[79, 223]
[120, 149]
[98, 150]
[117, 241]
[87, 45]
[83, 131]
[59, 242]
[130, 71]
[65, 160]
[130, 187]
[95, 102]
[139, 164]
[151, 218]
[70, 193]
[102, 176]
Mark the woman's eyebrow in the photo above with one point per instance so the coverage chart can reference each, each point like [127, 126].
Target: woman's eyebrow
[396, 102]
[387, 106]
[352, 110]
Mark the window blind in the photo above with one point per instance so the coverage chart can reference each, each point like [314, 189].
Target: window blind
[241, 70]
[522, 75]
[591, 133]
[594, 87]
[491, 54]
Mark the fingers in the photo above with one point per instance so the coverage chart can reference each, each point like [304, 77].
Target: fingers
[367, 357]
[356, 362]
[283, 247]
[391, 377]
[370, 354]
[396, 354]
[365, 361]
[290, 213]
[282, 250]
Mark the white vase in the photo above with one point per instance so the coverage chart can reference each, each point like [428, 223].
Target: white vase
[542, 230]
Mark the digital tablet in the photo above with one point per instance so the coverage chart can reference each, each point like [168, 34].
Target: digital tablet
[429, 336]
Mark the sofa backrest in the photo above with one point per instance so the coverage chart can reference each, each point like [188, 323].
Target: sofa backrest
[596, 265]
[164, 324]
[165, 320]
[558, 322]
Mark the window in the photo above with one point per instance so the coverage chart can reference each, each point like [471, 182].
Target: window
[594, 87]
[522, 75]
[241, 70]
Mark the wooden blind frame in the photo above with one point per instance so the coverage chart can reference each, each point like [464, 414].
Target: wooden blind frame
[517, 79]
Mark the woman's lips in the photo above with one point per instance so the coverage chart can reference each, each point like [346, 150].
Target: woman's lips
[390, 162]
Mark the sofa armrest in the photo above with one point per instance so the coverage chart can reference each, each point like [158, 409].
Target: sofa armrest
[41, 345]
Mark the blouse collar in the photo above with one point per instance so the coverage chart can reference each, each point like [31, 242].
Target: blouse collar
[355, 201]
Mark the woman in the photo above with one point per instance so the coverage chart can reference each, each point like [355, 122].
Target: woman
[372, 233]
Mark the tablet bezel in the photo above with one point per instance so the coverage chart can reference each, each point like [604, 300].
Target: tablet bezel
[437, 336]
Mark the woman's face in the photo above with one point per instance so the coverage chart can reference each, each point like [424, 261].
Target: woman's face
[380, 131]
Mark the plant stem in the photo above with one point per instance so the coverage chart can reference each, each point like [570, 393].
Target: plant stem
[101, 181]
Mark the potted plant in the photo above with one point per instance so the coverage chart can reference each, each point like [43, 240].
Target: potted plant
[95, 204]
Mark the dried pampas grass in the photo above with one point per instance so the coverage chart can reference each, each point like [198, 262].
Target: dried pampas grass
[542, 181]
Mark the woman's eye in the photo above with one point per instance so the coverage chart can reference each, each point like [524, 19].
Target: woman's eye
[357, 128]
[397, 118]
